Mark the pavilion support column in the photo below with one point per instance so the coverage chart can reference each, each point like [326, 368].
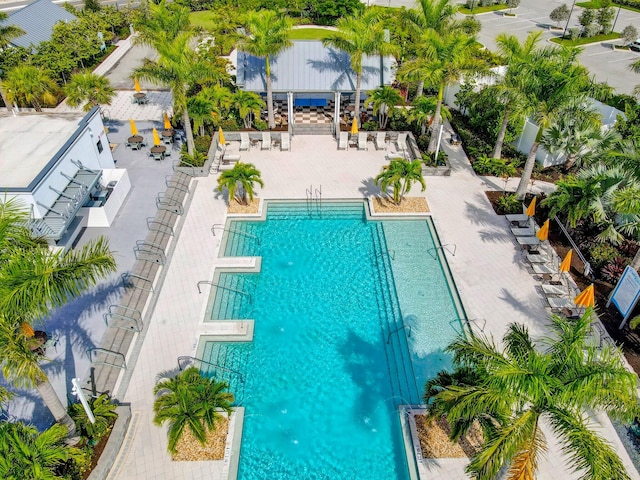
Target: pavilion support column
[290, 111]
[336, 112]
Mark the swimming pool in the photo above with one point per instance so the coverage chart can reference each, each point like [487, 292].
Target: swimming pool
[351, 317]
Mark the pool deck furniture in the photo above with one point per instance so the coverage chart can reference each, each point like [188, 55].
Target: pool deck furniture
[381, 141]
[554, 290]
[401, 143]
[523, 232]
[140, 98]
[167, 136]
[136, 142]
[266, 141]
[231, 157]
[245, 143]
[395, 156]
[158, 152]
[528, 242]
[343, 141]
[362, 141]
[518, 219]
[537, 258]
[285, 143]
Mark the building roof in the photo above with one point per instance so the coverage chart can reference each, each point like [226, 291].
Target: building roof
[309, 66]
[37, 20]
[30, 143]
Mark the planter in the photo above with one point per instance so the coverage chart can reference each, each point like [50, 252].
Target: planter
[509, 14]
[443, 171]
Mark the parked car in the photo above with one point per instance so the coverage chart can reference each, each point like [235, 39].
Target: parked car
[455, 139]
[635, 46]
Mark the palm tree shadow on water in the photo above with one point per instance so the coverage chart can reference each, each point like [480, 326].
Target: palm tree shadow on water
[360, 362]
[73, 325]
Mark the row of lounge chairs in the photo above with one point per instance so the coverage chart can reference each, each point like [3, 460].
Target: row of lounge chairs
[266, 142]
[380, 141]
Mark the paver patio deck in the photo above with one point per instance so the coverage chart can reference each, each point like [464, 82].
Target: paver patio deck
[490, 274]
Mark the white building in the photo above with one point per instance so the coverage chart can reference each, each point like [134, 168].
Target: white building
[59, 165]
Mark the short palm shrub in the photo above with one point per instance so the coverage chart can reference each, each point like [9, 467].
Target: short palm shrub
[400, 175]
[202, 143]
[499, 167]
[104, 412]
[508, 203]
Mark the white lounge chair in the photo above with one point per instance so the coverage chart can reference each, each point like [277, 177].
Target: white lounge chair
[518, 219]
[402, 142]
[266, 141]
[343, 141]
[395, 156]
[245, 143]
[527, 230]
[381, 141]
[284, 142]
[362, 141]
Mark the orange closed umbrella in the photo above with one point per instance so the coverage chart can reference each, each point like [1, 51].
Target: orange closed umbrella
[543, 233]
[586, 298]
[167, 123]
[565, 266]
[27, 330]
[531, 209]
[222, 140]
[156, 137]
[136, 85]
[354, 127]
[134, 129]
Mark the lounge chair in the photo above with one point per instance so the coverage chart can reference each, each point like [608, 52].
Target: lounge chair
[266, 141]
[362, 141]
[284, 142]
[537, 258]
[554, 290]
[343, 141]
[528, 242]
[381, 141]
[245, 143]
[518, 219]
[527, 231]
[402, 142]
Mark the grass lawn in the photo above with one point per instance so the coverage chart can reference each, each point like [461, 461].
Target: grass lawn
[476, 10]
[202, 19]
[583, 41]
[309, 33]
[596, 4]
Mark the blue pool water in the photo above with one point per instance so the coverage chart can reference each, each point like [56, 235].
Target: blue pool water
[351, 318]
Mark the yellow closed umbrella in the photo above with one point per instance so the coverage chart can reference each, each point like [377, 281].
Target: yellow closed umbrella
[27, 330]
[531, 209]
[586, 298]
[222, 140]
[156, 137]
[134, 129]
[136, 85]
[543, 233]
[354, 127]
[167, 123]
[565, 266]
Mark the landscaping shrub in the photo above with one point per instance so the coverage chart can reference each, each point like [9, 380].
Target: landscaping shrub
[601, 254]
[423, 142]
[370, 126]
[474, 144]
[202, 143]
[398, 121]
[613, 270]
[508, 203]
[429, 160]
[260, 125]
[229, 124]
[499, 167]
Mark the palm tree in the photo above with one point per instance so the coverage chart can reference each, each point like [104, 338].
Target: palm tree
[162, 23]
[200, 111]
[27, 453]
[400, 175]
[384, 100]
[443, 61]
[243, 176]
[423, 110]
[104, 412]
[33, 280]
[514, 389]
[509, 87]
[7, 33]
[191, 401]
[268, 35]
[249, 105]
[90, 88]
[220, 97]
[30, 85]
[360, 35]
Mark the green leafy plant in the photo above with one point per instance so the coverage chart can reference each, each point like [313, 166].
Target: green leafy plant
[104, 412]
[613, 270]
[202, 143]
[601, 254]
[499, 167]
[508, 203]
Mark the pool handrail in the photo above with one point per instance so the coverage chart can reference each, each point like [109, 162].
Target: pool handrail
[403, 327]
[194, 359]
[214, 284]
[231, 230]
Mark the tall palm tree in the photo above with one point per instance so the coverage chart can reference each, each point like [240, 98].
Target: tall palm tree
[249, 106]
[90, 89]
[423, 110]
[201, 111]
[514, 389]
[178, 67]
[443, 61]
[220, 97]
[191, 401]
[161, 23]
[27, 453]
[509, 87]
[33, 280]
[268, 34]
[7, 33]
[400, 175]
[242, 176]
[360, 35]
[27, 84]
[384, 99]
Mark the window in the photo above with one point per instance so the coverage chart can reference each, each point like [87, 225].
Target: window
[99, 145]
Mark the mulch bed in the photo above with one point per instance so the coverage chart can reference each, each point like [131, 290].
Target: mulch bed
[435, 443]
[251, 207]
[407, 205]
[190, 449]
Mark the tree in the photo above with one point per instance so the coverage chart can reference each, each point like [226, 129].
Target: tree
[33, 280]
[7, 33]
[29, 85]
[191, 401]
[200, 111]
[513, 389]
[604, 17]
[512, 4]
[92, 5]
[400, 175]
[422, 112]
[26, 453]
[384, 100]
[629, 34]
[104, 413]
[243, 177]
[249, 106]
[360, 35]
[443, 60]
[268, 35]
[586, 18]
[90, 89]
[560, 14]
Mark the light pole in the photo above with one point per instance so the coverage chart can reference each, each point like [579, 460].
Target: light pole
[564, 34]
[438, 145]
[613, 29]
[77, 391]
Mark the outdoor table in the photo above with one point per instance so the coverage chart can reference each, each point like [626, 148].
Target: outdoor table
[158, 152]
[135, 142]
[168, 134]
[254, 142]
[140, 97]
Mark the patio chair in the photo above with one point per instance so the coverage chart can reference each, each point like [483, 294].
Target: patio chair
[362, 141]
[266, 141]
[285, 144]
[343, 141]
[518, 219]
[395, 156]
[245, 143]
[381, 141]
[527, 231]
[537, 258]
[402, 142]
[528, 242]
